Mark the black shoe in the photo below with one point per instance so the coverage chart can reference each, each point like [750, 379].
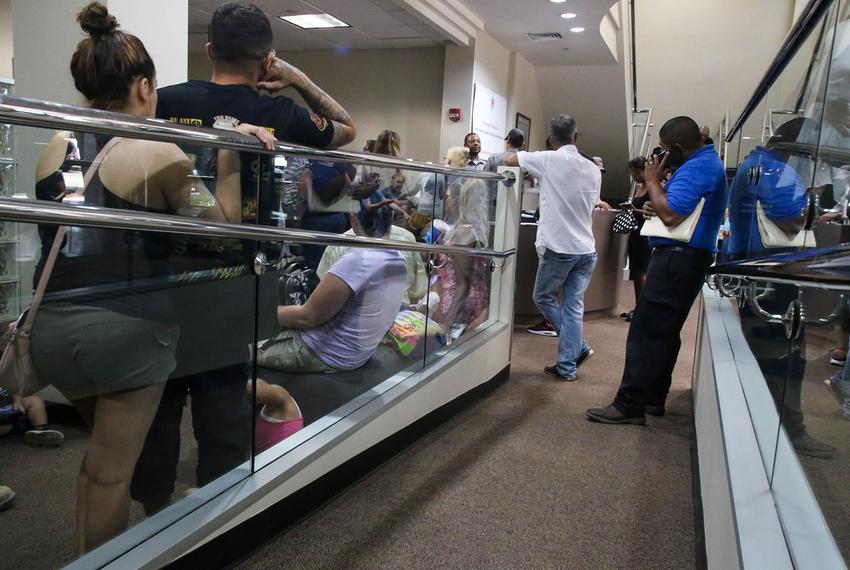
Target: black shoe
[810, 447]
[612, 415]
[553, 371]
[585, 354]
[657, 411]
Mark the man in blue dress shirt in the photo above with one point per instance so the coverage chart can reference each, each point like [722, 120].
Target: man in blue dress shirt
[676, 270]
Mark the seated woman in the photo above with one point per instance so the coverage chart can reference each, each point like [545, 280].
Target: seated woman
[106, 334]
[461, 282]
[342, 323]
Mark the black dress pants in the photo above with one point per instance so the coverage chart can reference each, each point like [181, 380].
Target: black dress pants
[674, 278]
[221, 421]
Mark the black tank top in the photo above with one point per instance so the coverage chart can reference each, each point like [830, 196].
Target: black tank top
[125, 271]
[639, 203]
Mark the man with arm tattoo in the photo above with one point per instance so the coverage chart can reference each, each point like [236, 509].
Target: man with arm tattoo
[215, 317]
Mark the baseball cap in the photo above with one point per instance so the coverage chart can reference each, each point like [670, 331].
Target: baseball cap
[516, 137]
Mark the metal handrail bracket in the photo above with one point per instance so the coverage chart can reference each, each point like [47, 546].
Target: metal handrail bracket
[43, 212]
[43, 114]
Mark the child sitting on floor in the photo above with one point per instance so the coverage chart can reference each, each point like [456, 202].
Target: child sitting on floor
[278, 416]
[29, 417]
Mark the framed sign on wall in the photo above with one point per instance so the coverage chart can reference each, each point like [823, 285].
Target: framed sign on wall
[524, 123]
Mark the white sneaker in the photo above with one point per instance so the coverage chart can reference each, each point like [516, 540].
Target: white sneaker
[44, 437]
[7, 495]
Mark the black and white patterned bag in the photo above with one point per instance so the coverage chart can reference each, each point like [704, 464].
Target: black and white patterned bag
[625, 222]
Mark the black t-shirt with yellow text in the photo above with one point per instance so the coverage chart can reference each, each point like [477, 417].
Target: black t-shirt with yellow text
[205, 104]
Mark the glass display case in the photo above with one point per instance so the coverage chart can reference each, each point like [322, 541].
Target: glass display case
[9, 274]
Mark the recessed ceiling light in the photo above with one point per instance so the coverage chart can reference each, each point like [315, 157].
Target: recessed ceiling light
[557, 1]
[568, 15]
[576, 30]
[314, 21]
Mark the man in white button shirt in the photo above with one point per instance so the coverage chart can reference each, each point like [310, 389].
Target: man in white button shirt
[569, 190]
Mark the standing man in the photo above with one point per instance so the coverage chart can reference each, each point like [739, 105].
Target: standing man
[215, 332]
[569, 189]
[676, 270]
[513, 144]
[473, 142]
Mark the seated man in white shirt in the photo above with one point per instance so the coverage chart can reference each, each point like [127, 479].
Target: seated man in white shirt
[569, 190]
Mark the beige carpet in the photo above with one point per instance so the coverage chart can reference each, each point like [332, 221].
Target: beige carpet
[522, 480]
[519, 480]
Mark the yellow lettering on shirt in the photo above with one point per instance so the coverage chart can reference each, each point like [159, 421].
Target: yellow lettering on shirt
[186, 121]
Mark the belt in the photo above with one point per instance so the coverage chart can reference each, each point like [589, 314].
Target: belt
[682, 249]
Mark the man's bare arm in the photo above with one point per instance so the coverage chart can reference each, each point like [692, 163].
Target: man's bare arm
[654, 174]
[283, 75]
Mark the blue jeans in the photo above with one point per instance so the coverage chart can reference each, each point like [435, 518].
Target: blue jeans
[568, 274]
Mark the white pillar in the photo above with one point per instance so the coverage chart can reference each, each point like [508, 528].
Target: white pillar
[163, 26]
[45, 36]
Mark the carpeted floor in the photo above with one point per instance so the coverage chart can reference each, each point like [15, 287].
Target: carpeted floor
[522, 480]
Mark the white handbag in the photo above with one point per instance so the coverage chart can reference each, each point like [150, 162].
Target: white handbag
[684, 231]
[774, 236]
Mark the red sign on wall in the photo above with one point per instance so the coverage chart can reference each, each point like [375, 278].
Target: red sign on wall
[454, 114]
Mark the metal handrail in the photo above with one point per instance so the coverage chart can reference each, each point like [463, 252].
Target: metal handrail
[44, 114]
[804, 26]
[37, 211]
[646, 130]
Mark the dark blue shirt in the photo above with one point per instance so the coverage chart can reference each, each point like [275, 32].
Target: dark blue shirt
[702, 176]
[778, 189]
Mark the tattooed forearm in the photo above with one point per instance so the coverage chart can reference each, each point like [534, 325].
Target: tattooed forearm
[320, 102]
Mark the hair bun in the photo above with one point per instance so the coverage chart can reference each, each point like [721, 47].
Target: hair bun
[96, 20]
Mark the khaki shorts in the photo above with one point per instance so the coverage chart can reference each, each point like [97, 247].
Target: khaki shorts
[85, 350]
[287, 352]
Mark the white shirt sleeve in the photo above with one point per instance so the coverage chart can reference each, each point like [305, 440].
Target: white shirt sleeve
[535, 163]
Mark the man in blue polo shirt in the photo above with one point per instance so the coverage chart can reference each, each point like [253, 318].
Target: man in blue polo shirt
[676, 270]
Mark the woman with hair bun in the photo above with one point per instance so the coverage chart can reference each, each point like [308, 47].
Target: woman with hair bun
[106, 334]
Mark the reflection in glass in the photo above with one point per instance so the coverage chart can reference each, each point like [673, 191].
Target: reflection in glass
[768, 200]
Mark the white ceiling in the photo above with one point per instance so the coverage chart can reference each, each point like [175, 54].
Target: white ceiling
[375, 24]
[509, 21]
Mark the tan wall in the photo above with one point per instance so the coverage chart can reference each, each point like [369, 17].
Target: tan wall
[457, 93]
[703, 58]
[6, 38]
[524, 97]
[382, 89]
[595, 97]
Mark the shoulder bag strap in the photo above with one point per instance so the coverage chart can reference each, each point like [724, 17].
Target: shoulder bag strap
[60, 235]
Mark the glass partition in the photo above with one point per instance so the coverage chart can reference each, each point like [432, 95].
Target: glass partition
[142, 341]
[174, 366]
[790, 195]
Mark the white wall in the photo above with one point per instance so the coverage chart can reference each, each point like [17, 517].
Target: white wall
[507, 73]
[165, 37]
[703, 58]
[492, 64]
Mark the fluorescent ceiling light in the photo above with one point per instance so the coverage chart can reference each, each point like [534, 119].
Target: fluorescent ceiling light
[568, 15]
[314, 21]
[557, 1]
[576, 30]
